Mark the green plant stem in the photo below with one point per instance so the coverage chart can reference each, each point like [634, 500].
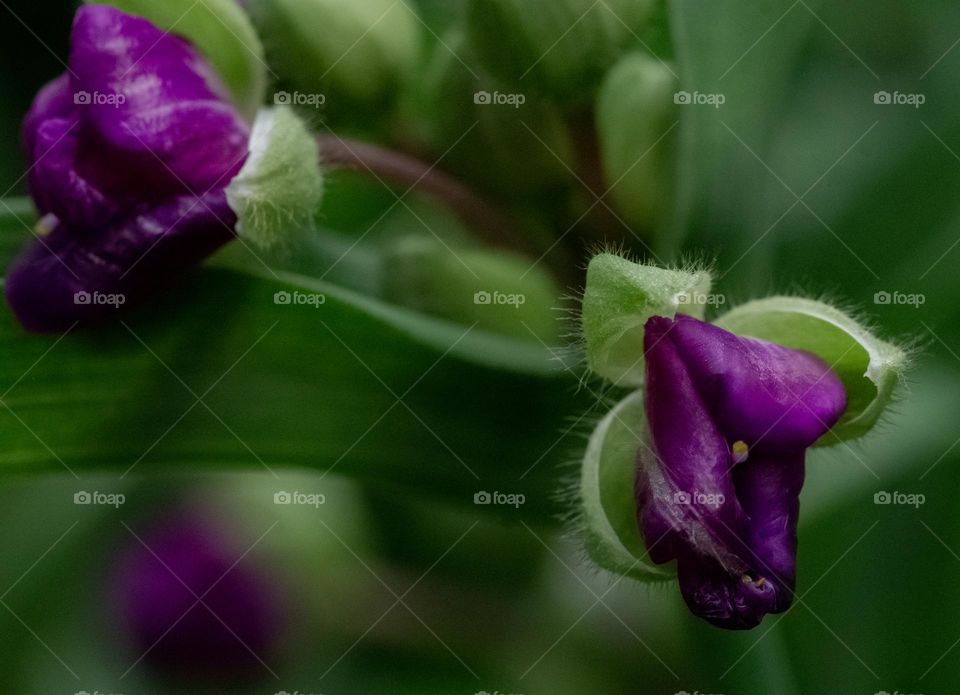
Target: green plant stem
[397, 168]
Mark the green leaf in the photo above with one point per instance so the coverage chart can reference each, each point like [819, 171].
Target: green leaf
[280, 186]
[607, 483]
[869, 367]
[223, 33]
[718, 178]
[619, 298]
[289, 383]
[636, 118]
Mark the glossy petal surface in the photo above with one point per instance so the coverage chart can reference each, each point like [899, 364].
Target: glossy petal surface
[730, 419]
[130, 153]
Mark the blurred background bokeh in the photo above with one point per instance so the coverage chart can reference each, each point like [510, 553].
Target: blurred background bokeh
[799, 181]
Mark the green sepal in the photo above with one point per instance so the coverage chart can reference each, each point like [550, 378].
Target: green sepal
[608, 501]
[620, 296]
[280, 187]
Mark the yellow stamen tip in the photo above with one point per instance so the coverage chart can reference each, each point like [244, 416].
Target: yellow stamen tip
[45, 225]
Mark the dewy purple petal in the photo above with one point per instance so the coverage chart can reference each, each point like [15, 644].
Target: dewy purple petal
[730, 524]
[129, 155]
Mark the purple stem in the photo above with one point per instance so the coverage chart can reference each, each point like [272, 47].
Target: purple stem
[405, 170]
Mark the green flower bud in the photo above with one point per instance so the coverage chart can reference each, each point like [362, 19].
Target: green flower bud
[498, 291]
[221, 31]
[561, 47]
[636, 120]
[507, 127]
[338, 52]
[280, 187]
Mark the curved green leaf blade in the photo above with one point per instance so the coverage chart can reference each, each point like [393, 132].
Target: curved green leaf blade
[234, 369]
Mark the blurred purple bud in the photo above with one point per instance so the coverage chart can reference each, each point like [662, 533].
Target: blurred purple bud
[193, 604]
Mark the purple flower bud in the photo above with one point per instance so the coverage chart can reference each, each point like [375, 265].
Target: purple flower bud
[730, 420]
[225, 634]
[129, 153]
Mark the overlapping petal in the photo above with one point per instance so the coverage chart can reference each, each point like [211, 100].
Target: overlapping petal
[130, 154]
[730, 419]
[154, 99]
[63, 279]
